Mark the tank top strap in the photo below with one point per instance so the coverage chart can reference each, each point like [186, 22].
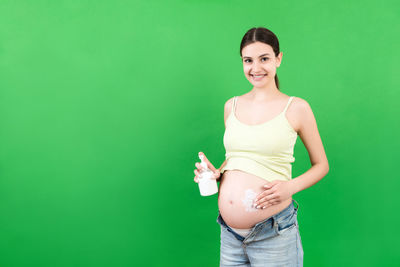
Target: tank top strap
[287, 105]
[234, 104]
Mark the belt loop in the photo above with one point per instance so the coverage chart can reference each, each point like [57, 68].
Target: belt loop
[274, 223]
[296, 208]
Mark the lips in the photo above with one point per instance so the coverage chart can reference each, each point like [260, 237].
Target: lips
[258, 77]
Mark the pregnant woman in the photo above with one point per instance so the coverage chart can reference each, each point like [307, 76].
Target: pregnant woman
[257, 214]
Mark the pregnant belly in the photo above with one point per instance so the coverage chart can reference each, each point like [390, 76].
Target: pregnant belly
[236, 192]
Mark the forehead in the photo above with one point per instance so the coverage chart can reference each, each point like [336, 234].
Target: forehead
[256, 49]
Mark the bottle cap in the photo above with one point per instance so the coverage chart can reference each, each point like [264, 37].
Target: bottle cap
[203, 163]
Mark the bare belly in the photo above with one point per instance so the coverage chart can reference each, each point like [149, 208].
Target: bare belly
[237, 189]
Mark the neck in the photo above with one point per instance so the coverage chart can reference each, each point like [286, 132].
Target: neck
[269, 91]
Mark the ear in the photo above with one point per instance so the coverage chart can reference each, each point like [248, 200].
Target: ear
[279, 59]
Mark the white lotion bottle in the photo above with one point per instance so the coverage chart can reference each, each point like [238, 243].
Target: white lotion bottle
[207, 185]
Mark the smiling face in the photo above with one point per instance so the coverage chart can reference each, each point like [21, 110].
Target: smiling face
[260, 63]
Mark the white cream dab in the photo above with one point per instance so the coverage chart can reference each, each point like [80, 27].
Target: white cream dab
[248, 200]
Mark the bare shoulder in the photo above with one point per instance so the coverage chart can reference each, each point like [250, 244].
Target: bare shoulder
[297, 112]
[300, 104]
[309, 133]
[304, 115]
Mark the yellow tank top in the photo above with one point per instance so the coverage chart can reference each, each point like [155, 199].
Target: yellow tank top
[264, 150]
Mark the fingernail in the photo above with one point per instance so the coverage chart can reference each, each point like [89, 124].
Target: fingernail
[258, 206]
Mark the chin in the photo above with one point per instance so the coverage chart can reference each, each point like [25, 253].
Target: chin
[259, 84]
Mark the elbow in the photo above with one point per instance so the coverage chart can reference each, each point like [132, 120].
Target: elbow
[326, 167]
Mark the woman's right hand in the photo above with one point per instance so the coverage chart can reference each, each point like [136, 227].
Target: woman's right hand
[197, 171]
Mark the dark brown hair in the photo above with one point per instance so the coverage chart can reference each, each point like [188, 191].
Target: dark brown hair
[261, 34]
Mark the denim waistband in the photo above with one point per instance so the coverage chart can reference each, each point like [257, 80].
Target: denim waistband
[268, 220]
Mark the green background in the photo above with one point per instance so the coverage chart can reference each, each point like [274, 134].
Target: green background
[104, 106]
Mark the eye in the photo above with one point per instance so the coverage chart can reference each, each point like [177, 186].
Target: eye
[249, 60]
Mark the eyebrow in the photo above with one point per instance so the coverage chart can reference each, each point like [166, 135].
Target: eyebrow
[259, 56]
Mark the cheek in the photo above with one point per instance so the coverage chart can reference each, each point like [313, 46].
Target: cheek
[269, 67]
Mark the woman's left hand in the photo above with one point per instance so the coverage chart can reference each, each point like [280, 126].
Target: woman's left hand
[276, 192]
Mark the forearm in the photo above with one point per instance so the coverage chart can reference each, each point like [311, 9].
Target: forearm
[219, 170]
[309, 178]
[222, 165]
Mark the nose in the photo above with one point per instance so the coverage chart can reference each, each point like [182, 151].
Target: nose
[256, 67]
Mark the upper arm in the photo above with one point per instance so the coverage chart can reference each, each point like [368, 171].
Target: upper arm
[308, 132]
[227, 109]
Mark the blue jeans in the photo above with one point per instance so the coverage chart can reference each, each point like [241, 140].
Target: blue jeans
[272, 242]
